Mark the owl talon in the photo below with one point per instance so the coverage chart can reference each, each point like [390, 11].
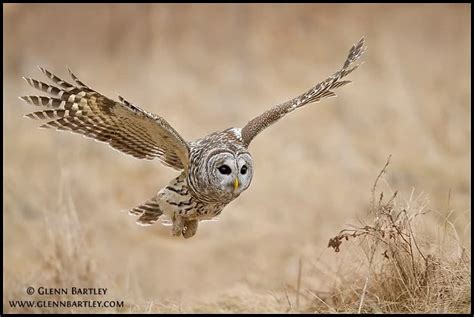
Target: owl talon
[190, 228]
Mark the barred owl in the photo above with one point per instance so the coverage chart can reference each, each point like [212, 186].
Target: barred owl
[215, 169]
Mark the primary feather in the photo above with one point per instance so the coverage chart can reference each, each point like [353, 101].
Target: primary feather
[315, 94]
[80, 109]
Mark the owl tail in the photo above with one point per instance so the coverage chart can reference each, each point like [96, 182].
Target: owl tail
[149, 212]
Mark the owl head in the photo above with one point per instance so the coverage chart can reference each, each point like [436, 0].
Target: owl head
[226, 173]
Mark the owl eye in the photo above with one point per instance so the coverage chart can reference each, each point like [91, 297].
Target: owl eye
[224, 169]
[243, 170]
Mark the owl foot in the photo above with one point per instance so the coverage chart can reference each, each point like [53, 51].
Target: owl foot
[178, 226]
[190, 228]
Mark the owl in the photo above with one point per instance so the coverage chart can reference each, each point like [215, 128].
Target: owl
[214, 170]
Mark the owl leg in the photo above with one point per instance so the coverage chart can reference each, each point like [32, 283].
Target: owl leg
[178, 225]
[190, 228]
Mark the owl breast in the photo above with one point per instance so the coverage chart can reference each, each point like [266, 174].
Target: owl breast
[177, 200]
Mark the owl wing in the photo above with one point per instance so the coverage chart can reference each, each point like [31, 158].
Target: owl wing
[125, 127]
[315, 94]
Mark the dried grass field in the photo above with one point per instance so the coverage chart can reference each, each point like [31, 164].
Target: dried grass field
[209, 67]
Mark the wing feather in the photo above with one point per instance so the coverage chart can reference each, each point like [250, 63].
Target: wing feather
[124, 126]
[320, 91]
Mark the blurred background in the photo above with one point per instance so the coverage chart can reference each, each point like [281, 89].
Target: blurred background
[206, 68]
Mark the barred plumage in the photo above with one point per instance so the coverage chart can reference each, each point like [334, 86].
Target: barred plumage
[215, 169]
[315, 94]
[125, 127]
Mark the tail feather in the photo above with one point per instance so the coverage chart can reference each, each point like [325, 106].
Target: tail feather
[149, 212]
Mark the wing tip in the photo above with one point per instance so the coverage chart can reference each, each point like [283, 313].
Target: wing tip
[26, 99]
[29, 81]
[41, 68]
[73, 75]
[70, 72]
[355, 53]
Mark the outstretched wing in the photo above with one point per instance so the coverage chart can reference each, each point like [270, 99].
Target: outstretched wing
[79, 109]
[315, 94]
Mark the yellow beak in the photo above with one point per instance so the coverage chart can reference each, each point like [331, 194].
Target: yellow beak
[236, 184]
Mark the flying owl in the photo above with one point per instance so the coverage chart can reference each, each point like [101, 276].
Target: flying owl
[215, 169]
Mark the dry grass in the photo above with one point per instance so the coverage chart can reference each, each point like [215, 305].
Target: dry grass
[209, 67]
[406, 271]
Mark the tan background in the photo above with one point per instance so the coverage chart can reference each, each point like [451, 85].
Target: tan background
[205, 68]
